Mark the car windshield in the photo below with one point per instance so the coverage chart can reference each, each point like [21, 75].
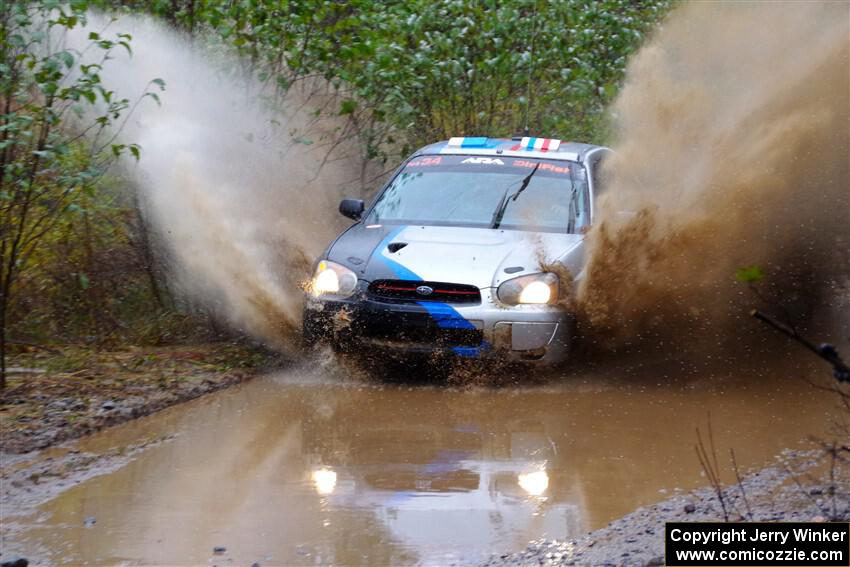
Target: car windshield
[486, 191]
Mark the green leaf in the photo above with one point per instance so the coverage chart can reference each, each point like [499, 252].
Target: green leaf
[66, 58]
[348, 107]
[750, 274]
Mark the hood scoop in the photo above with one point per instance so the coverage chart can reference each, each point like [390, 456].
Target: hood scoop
[394, 247]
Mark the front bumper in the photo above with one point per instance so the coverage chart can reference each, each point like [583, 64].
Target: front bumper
[532, 333]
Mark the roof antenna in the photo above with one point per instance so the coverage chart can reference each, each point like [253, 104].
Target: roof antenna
[525, 129]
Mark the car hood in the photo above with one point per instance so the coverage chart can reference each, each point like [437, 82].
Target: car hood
[476, 256]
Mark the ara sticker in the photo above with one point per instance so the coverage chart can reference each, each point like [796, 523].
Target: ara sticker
[484, 161]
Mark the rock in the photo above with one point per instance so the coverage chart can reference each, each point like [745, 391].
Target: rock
[255, 565]
[690, 508]
[15, 561]
[818, 519]
[655, 561]
[59, 405]
[89, 521]
[108, 405]
[816, 491]
[219, 549]
[22, 370]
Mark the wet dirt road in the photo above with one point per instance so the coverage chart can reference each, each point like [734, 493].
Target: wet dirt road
[306, 467]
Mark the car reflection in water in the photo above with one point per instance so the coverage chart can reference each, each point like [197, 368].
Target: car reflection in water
[298, 469]
[438, 484]
[325, 480]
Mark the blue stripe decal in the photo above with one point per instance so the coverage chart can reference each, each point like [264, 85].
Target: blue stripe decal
[443, 314]
[531, 142]
[400, 271]
[470, 352]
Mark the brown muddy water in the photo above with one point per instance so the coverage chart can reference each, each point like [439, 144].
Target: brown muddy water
[308, 467]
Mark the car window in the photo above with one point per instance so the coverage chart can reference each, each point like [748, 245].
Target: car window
[462, 190]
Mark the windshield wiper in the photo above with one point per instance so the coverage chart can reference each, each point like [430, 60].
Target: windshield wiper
[503, 204]
[571, 222]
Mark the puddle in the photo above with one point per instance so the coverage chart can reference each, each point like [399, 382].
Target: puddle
[296, 468]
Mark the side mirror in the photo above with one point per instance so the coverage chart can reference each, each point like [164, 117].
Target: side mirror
[351, 208]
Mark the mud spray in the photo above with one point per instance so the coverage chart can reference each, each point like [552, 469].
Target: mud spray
[732, 151]
[240, 188]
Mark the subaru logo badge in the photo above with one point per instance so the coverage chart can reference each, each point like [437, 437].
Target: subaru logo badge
[424, 290]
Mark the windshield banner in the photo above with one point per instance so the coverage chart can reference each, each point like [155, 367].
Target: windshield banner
[489, 164]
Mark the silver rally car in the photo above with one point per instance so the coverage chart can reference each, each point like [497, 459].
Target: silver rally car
[461, 253]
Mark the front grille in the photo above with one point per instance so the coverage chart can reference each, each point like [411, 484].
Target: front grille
[405, 290]
[417, 329]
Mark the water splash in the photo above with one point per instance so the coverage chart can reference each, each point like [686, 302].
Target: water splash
[240, 190]
[732, 150]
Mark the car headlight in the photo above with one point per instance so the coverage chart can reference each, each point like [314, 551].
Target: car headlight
[534, 288]
[331, 279]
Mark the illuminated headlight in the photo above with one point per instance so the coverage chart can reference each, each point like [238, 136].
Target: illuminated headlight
[535, 288]
[332, 279]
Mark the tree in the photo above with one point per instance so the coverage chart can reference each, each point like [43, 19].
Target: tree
[410, 72]
[57, 129]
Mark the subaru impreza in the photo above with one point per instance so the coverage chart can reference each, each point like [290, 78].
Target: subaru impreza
[471, 249]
